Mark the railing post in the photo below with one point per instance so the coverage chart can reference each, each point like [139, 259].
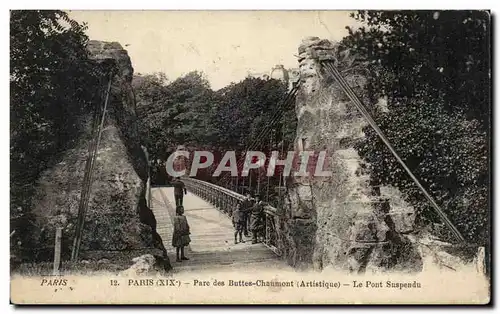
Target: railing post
[57, 252]
[223, 201]
[481, 260]
[219, 200]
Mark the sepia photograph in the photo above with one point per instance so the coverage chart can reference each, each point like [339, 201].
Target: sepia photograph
[250, 157]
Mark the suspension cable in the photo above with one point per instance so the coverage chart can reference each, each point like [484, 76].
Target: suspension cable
[269, 177]
[331, 69]
[289, 100]
[276, 117]
[87, 181]
[282, 171]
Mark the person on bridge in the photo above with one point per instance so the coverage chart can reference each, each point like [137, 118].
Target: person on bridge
[239, 221]
[180, 236]
[179, 191]
[257, 219]
[246, 207]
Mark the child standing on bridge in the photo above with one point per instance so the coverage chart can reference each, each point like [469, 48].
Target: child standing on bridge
[240, 220]
[180, 237]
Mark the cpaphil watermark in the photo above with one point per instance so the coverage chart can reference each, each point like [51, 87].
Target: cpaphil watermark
[297, 164]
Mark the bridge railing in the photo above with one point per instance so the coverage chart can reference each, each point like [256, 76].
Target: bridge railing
[227, 201]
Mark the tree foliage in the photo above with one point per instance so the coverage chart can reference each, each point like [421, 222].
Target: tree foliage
[433, 68]
[430, 55]
[240, 116]
[175, 113]
[51, 85]
[248, 107]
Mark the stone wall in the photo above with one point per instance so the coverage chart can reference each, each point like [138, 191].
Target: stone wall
[339, 221]
[118, 220]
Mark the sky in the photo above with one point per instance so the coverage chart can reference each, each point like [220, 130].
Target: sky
[224, 45]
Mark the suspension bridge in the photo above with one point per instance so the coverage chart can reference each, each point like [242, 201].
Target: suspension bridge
[209, 205]
[212, 233]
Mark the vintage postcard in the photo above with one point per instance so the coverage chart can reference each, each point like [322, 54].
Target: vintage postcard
[250, 157]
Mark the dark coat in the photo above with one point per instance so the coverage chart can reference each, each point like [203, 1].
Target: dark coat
[257, 217]
[180, 236]
[179, 188]
[239, 215]
[246, 207]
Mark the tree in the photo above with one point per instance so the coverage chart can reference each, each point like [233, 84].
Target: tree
[432, 54]
[53, 86]
[434, 70]
[248, 108]
[50, 82]
[252, 116]
[173, 114]
[152, 103]
[243, 115]
[192, 110]
[445, 151]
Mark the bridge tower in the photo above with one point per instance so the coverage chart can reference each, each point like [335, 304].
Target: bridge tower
[341, 220]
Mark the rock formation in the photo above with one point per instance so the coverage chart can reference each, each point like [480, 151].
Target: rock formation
[340, 220]
[143, 265]
[118, 221]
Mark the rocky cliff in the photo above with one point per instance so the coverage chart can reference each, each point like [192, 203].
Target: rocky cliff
[340, 221]
[118, 221]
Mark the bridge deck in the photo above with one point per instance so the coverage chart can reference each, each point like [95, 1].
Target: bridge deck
[212, 235]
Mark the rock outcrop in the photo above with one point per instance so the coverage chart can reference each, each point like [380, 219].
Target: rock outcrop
[340, 220]
[143, 265]
[118, 220]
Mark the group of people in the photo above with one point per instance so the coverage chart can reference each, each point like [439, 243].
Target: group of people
[249, 215]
